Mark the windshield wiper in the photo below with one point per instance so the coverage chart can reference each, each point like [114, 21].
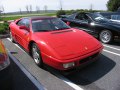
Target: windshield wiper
[43, 30]
[62, 28]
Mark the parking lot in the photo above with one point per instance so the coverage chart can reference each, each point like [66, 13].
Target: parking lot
[101, 75]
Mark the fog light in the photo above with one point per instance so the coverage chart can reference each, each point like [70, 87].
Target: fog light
[67, 65]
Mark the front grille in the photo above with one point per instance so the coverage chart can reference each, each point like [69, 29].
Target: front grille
[88, 58]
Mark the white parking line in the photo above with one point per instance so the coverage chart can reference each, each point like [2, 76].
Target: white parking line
[76, 87]
[111, 47]
[15, 44]
[111, 52]
[9, 39]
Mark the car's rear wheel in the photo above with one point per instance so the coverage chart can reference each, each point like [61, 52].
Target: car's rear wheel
[36, 55]
[11, 37]
[105, 36]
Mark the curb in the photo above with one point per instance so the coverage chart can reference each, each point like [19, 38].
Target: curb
[27, 73]
[4, 36]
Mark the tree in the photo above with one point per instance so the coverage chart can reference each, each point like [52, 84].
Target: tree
[60, 12]
[1, 9]
[27, 8]
[113, 5]
[30, 8]
[45, 8]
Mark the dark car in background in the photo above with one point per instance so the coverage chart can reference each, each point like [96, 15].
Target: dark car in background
[5, 69]
[95, 24]
[114, 16]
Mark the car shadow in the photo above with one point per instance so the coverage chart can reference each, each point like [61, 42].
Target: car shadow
[92, 72]
[115, 43]
[86, 75]
[89, 74]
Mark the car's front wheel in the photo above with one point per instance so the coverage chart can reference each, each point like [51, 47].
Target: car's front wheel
[105, 36]
[36, 55]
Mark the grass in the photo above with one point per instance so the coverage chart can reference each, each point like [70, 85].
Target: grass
[7, 14]
[3, 28]
[27, 15]
[10, 18]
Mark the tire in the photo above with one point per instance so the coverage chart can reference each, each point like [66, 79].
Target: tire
[105, 36]
[11, 37]
[36, 55]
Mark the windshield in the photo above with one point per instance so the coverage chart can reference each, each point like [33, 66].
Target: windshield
[48, 25]
[98, 17]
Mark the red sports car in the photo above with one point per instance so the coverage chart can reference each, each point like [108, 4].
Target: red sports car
[49, 40]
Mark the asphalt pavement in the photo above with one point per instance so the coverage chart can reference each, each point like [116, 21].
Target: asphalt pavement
[20, 81]
[104, 74]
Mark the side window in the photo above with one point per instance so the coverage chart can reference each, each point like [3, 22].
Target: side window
[72, 16]
[82, 17]
[25, 22]
[20, 23]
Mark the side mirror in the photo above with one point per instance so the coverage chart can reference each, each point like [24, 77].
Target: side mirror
[25, 28]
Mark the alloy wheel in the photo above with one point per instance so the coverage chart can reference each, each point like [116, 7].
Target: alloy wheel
[36, 55]
[105, 36]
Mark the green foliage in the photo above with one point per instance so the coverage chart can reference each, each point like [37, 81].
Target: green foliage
[11, 18]
[113, 5]
[3, 28]
[60, 12]
[1, 19]
[68, 12]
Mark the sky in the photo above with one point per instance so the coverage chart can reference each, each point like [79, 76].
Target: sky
[16, 5]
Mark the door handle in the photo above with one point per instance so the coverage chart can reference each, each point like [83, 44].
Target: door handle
[26, 33]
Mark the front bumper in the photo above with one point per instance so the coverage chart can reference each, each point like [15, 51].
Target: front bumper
[79, 61]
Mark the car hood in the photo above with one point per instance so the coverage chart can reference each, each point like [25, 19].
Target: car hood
[69, 43]
[113, 23]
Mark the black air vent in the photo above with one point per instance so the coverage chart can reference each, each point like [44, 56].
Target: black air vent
[61, 32]
[89, 58]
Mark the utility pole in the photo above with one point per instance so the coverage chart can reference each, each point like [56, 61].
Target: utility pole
[61, 7]
[91, 7]
[20, 11]
[1, 10]
[27, 8]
